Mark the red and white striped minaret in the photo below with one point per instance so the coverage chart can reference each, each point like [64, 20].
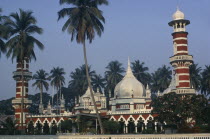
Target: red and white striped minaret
[181, 60]
[17, 75]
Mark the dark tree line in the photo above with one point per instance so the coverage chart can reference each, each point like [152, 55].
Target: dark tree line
[188, 114]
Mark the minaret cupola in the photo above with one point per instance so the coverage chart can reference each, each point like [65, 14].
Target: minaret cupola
[179, 22]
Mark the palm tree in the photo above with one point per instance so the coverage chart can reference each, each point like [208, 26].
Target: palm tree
[205, 84]
[21, 42]
[83, 23]
[161, 79]
[141, 72]
[195, 78]
[164, 77]
[113, 74]
[57, 79]
[154, 82]
[41, 78]
[79, 81]
[98, 82]
[3, 34]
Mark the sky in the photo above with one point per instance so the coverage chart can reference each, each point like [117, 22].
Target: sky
[134, 28]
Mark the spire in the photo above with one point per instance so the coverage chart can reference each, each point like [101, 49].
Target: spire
[158, 93]
[98, 89]
[129, 62]
[62, 96]
[147, 86]
[49, 102]
[129, 72]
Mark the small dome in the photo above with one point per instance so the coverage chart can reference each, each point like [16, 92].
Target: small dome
[129, 86]
[178, 15]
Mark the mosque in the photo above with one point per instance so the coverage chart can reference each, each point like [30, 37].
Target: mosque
[130, 105]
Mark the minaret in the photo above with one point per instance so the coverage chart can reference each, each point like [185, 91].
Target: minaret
[62, 105]
[17, 75]
[49, 108]
[181, 60]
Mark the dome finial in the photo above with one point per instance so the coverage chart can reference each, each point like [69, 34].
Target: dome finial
[177, 7]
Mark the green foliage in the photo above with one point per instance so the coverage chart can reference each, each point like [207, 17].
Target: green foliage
[161, 79]
[57, 77]
[84, 124]
[34, 109]
[8, 105]
[41, 78]
[195, 78]
[111, 127]
[113, 75]
[21, 43]
[78, 81]
[141, 72]
[98, 82]
[8, 127]
[65, 126]
[180, 111]
[205, 83]
[3, 34]
[84, 19]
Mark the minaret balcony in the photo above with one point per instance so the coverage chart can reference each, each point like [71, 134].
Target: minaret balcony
[185, 91]
[18, 74]
[18, 101]
[181, 58]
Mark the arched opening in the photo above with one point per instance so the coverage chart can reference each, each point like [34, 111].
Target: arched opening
[150, 124]
[31, 128]
[140, 125]
[159, 127]
[131, 126]
[53, 128]
[122, 126]
[46, 128]
[38, 130]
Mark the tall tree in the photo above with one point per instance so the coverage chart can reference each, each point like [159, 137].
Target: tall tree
[83, 23]
[195, 78]
[141, 72]
[174, 109]
[98, 82]
[3, 34]
[161, 79]
[41, 83]
[113, 74]
[205, 87]
[21, 43]
[79, 81]
[57, 79]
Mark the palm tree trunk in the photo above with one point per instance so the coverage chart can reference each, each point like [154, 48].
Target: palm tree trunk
[91, 90]
[57, 101]
[41, 92]
[22, 99]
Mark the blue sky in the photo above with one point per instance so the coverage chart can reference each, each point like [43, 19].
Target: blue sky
[135, 28]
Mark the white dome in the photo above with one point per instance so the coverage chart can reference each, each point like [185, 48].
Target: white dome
[129, 86]
[178, 15]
